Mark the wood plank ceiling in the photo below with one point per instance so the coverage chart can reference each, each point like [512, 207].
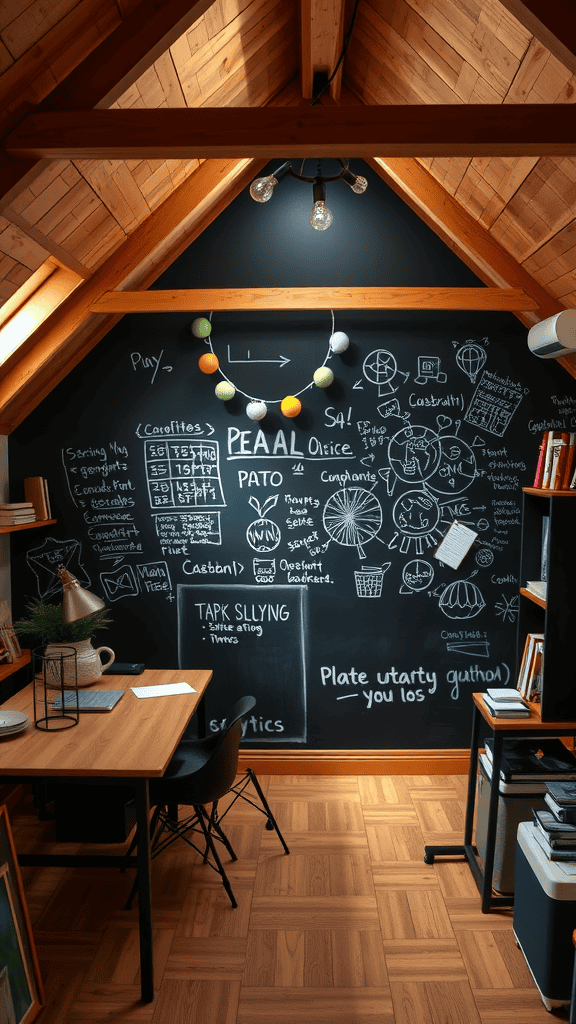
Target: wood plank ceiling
[90, 224]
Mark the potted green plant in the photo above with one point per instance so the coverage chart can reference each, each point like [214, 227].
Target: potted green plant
[42, 626]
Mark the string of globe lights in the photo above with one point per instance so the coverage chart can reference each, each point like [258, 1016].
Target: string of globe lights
[321, 217]
[256, 409]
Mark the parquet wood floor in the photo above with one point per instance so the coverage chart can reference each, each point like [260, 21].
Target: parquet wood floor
[351, 928]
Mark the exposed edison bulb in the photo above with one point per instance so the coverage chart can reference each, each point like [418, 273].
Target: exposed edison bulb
[320, 218]
[360, 185]
[261, 189]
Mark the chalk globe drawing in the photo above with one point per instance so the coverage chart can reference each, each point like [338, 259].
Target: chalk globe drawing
[352, 517]
[379, 366]
[484, 557]
[456, 469]
[414, 453]
[416, 514]
[471, 359]
[417, 574]
[461, 600]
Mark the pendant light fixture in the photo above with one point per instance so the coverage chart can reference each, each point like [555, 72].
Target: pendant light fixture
[321, 218]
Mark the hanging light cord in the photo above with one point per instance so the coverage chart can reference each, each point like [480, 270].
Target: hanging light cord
[268, 401]
[318, 96]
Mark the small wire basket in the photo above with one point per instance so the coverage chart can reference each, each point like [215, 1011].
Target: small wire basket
[369, 581]
[55, 682]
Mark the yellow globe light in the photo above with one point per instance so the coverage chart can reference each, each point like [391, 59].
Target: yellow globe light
[290, 406]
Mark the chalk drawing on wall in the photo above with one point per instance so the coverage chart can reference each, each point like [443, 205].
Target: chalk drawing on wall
[183, 474]
[416, 516]
[352, 517]
[44, 562]
[417, 575]
[414, 453]
[484, 557]
[429, 370]
[119, 583]
[461, 599]
[456, 469]
[369, 579]
[380, 368]
[471, 648]
[494, 403]
[471, 358]
[507, 608]
[263, 534]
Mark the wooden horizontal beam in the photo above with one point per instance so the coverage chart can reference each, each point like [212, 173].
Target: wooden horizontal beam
[277, 132]
[356, 762]
[205, 299]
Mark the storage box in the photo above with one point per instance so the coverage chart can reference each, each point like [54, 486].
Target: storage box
[515, 803]
[545, 916]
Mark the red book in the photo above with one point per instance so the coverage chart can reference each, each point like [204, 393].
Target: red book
[540, 464]
[569, 467]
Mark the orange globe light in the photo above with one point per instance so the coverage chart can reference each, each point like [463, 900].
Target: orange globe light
[290, 406]
[208, 362]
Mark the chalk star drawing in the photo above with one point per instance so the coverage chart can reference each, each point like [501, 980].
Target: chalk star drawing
[507, 609]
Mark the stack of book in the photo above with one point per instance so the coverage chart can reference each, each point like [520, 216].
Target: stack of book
[36, 492]
[505, 702]
[555, 829]
[531, 667]
[556, 466]
[538, 759]
[17, 513]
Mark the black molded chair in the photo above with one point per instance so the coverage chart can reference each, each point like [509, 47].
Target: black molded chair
[201, 772]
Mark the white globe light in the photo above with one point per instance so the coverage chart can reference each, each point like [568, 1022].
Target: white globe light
[320, 218]
[261, 189]
[256, 410]
[339, 342]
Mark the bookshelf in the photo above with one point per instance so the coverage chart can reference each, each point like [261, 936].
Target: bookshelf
[555, 616]
[28, 526]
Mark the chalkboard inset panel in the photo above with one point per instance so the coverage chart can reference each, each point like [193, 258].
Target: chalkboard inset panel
[255, 639]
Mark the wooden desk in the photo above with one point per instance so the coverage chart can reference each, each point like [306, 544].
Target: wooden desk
[126, 746]
[502, 728]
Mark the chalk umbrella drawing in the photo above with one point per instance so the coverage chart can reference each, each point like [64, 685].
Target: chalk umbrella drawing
[352, 517]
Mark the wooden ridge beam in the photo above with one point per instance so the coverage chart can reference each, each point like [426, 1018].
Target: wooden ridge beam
[192, 299]
[322, 27]
[320, 131]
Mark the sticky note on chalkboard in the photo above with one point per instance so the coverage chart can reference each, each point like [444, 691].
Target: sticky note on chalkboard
[455, 544]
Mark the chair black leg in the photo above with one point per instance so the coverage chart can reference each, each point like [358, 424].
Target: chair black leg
[271, 823]
[215, 825]
[210, 843]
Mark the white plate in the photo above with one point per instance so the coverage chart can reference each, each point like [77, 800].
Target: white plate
[8, 719]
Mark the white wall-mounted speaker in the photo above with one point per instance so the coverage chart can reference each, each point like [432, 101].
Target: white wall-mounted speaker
[555, 336]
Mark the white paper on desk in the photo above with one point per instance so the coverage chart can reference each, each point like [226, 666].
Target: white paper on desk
[162, 689]
[455, 545]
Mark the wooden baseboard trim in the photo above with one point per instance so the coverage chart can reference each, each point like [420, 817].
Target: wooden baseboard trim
[356, 762]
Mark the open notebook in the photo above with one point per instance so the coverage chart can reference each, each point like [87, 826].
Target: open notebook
[90, 700]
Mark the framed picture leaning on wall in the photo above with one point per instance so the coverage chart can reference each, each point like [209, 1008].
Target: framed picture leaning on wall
[20, 985]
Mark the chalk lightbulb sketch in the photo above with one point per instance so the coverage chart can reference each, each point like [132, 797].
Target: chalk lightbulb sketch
[471, 358]
[352, 517]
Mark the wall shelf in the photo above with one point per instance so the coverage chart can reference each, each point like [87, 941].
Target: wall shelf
[28, 526]
[14, 666]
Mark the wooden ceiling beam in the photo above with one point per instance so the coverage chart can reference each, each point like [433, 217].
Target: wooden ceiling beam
[322, 26]
[319, 131]
[66, 336]
[552, 22]
[106, 73]
[194, 299]
[471, 242]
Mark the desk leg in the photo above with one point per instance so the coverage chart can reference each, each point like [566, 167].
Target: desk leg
[144, 890]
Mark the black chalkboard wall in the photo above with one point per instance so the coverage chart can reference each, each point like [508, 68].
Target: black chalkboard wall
[296, 556]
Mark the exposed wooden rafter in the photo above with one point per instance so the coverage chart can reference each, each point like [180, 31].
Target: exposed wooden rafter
[102, 77]
[267, 132]
[322, 29]
[510, 299]
[62, 341]
[552, 22]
